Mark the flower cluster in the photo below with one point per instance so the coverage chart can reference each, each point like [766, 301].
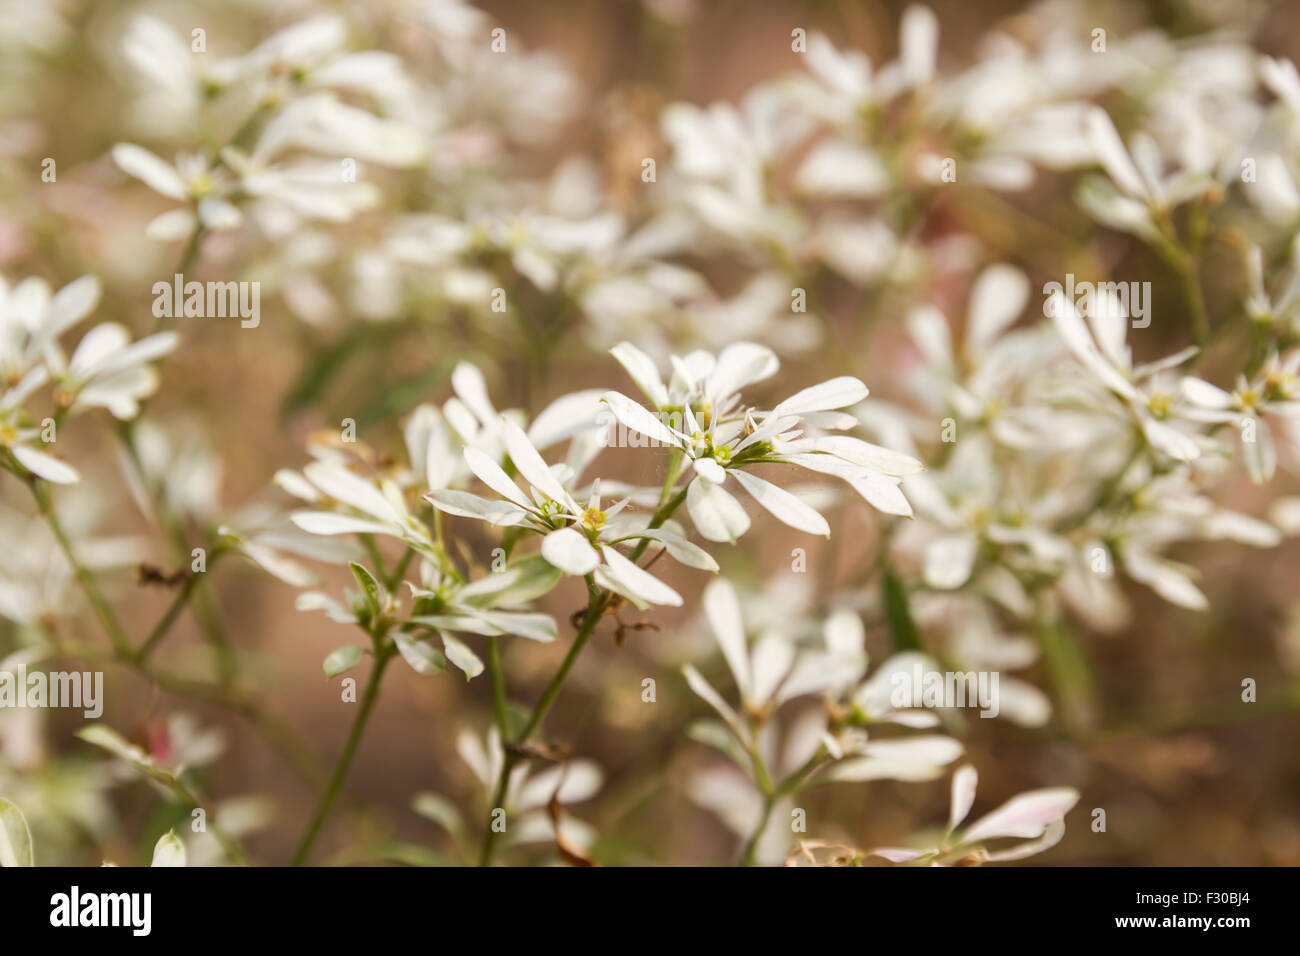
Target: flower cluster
[533, 389]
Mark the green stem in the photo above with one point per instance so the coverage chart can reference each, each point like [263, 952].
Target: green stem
[747, 858]
[597, 602]
[591, 617]
[169, 617]
[498, 685]
[121, 643]
[382, 657]
[394, 579]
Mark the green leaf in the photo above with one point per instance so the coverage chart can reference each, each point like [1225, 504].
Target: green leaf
[459, 654]
[342, 659]
[523, 581]
[898, 613]
[374, 591]
[15, 837]
[423, 658]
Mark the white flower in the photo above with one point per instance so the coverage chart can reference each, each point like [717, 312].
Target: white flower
[106, 370]
[1037, 817]
[191, 179]
[577, 539]
[1274, 391]
[1151, 397]
[1140, 186]
[775, 671]
[528, 797]
[719, 437]
[365, 506]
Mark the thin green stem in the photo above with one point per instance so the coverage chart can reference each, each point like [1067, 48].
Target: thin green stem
[590, 618]
[498, 685]
[116, 633]
[748, 856]
[399, 571]
[382, 657]
[597, 602]
[169, 617]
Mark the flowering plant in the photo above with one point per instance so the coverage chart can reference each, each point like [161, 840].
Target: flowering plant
[762, 391]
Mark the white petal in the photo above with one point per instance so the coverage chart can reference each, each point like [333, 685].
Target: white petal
[640, 582]
[686, 552]
[1202, 393]
[352, 490]
[835, 393]
[1170, 440]
[1165, 578]
[964, 782]
[784, 506]
[844, 634]
[460, 655]
[867, 455]
[569, 550]
[1112, 154]
[918, 44]
[73, 303]
[997, 299]
[710, 470]
[534, 626]
[465, 505]
[295, 484]
[697, 683]
[717, 515]
[45, 466]
[326, 522]
[467, 381]
[1260, 455]
[948, 561]
[882, 493]
[168, 851]
[738, 365]
[276, 564]
[170, 225]
[495, 477]
[722, 607]
[531, 465]
[1052, 835]
[145, 166]
[773, 656]
[1026, 815]
[1074, 331]
[565, 417]
[639, 419]
[95, 346]
[643, 371]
